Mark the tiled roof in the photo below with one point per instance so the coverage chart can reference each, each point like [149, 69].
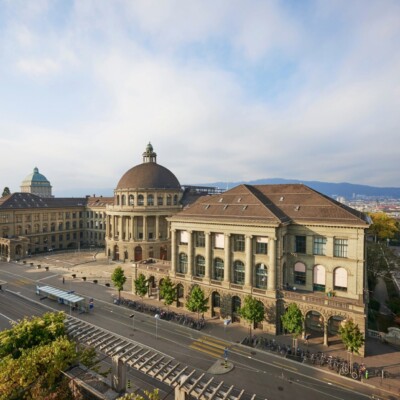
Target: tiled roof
[29, 200]
[99, 201]
[273, 204]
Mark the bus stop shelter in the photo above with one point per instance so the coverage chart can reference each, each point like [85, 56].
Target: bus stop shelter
[63, 297]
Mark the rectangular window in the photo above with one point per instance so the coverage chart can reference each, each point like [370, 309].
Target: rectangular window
[320, 245]
[340, 248]
[219, 240]
[262, 245]
[238, 243]
[300, 274]
[300, 245]
[200, 239]
[184, 239]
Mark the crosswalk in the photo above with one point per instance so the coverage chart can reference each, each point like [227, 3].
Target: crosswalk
[210, 346]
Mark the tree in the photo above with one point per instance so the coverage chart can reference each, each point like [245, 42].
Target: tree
[351, 336]
[136, 396]
[118, 277]
[6, 192]
[141, 286]
[380, 262]
[383, 227]
[292, 320]
[252, 311]
[196, 301]
[168, 291]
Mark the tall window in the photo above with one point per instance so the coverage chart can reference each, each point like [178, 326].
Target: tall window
[238, 243]
[340, 248]
[122, 200]
[320, 245]
[200, 268]
[261, 276]
[176, 200]
[160, 200]
[218, 270]
[299, 273]
[184, 237]
[340, 279]
[150, 200]
[140, 200]
[131, 199]
[238, 272]
[169, 200]
[183, 263]
[200, 239]
[219, 240]
[319, 278]
[300, 245]
[262, 245]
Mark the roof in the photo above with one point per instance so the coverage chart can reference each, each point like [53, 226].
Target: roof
[273, 204]
[29, 200]
[61, 294]
[99, 201]
[149, 175]
[35, 177]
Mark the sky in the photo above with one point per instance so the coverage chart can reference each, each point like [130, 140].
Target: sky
[224, 90]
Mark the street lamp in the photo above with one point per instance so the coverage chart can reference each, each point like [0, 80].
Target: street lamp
[157, 317]
[133, 321]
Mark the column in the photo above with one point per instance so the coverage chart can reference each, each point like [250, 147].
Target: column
[145, 228]
[272, 264]
[108, 217]
[325, 332]
[173, 252]
[119, 227]
[190, 253]
[248, 268]
[227, 260]
[157, 227]
[208, 259]
[133, 221]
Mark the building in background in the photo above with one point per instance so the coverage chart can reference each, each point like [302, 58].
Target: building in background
[36, 183]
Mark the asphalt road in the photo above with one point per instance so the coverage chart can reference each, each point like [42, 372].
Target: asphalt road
[266, 375]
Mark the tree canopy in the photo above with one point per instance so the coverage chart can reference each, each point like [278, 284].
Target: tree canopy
[6, 192]
[168, 291]
[252, 311]
[292, 320]
[118, 277]
[141, 285]
[196, 301]
[154, 395]
[351, 336]
[383, 226]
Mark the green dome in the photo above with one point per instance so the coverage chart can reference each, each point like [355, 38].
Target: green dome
[35, 177]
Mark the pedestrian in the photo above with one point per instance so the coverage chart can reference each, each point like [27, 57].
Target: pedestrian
[63, 280]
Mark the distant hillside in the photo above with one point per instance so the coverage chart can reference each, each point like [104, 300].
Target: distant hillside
[347, 190]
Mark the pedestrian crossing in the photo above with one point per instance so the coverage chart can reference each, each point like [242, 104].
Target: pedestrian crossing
[210, 346]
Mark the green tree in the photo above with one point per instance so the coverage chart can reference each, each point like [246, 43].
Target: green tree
[252, 311]
[383, 226]
[141, 286]
[196, 301]
[154, 395]
[292, 321]
[168, 291]
[6, 192]
[118, 277]
[351, 336]
[381, 261]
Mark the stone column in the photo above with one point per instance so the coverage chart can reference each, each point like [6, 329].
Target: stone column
[145, 238]
[325, 332]
[227, 261]
[120, 227]
[108, 217]
[272, 264]
[157, 227]
[208, 259]
[190, 253]
[118, 380]
[173, 252]
[133, 221]
[248, 272]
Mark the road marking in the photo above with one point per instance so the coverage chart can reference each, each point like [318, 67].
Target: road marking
[339, 384]
[285, 366]
[196, 346]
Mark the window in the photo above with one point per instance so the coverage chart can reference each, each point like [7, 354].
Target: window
[150, 200]
[219, 241]
[200, 239]
[160, 200]
[131, 199]
[340, 279]
[183, 262]
[238, 243]
[299, 273]
[300, 245]
[218, 273]
[123, 200]
[238, 273]
[175, 200]
[319, 278]
[200, 267]
[340, 248]
[320, 245]
[261, 276]
[169, 200]
[262, 245]
[140, 200]
[184, 237]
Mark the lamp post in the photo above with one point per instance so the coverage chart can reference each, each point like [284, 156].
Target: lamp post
[133, 321]
[157, 317]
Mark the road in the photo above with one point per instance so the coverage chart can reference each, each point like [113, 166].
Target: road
[269, 376]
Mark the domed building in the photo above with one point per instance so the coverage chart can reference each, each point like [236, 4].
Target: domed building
[36, 183]
[145, 196]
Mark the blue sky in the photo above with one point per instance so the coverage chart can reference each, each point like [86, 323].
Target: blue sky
[225, 91]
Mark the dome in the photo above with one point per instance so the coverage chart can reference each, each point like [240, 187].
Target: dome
[35, 177]
[149, 175]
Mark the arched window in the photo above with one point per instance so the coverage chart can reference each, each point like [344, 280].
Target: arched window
[238, 272]
[131, 200]
[140, 200]
[200, 268]
[299, 274]
[261, 276]
[183, 262]
[117, 200]
[319, 278]
[169, 200]
[216, 299]
[160, 200]
[340, 279]
[176, 200]
[150, 200]
[123, 203]
[218, 270]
